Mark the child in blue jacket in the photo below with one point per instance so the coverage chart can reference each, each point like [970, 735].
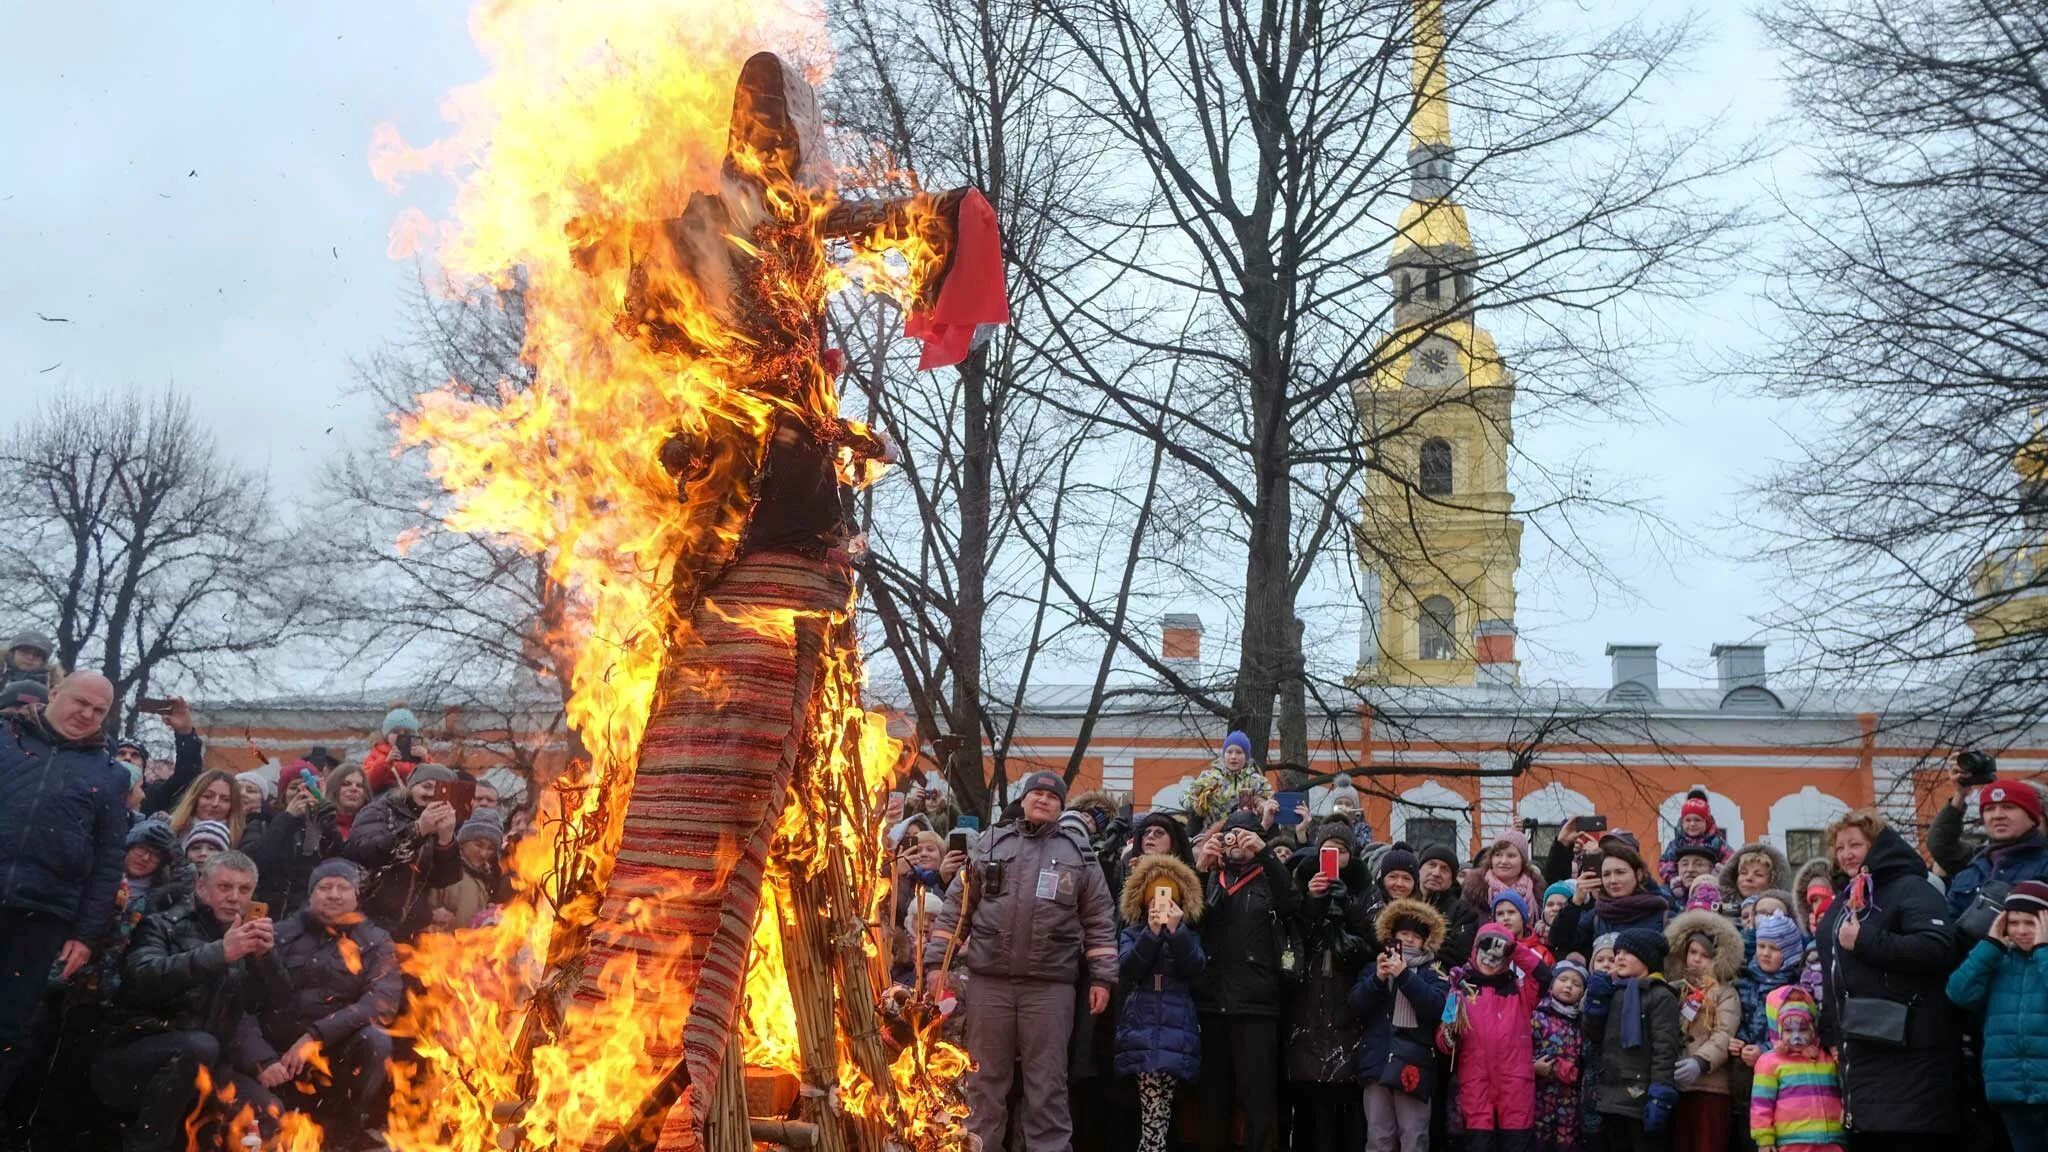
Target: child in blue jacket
[2004, 984]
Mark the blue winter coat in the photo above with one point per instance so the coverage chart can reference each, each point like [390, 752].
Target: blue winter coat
[1157, 1031]
[2007, 991]
[2023, 859]
[63, 828]
[1372, 1004]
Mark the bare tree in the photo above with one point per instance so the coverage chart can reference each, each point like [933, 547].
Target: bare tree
[463, 620]
[151, 554]
[1913, 333]
[996, 487]
[1274, 141]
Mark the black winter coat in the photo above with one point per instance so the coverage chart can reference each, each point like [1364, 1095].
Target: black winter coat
[188, 757]
[1335, 933]
[1243, 929]
[400, 865]
[1904, 953]
[335, 990]
[177, 978]
[285, 850]
[63, 827]
[1461, 924]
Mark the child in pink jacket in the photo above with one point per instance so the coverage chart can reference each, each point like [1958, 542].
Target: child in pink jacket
[1490, 1039]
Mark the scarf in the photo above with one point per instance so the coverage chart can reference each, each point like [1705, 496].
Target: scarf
[1404, 1012]
[1629, 909]
[1521, 887]
[1566, 1011]
[1632, 1010]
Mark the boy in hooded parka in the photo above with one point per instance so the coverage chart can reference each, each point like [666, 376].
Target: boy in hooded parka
[1398, 1003]
[1702, 967]
[1158, 1036]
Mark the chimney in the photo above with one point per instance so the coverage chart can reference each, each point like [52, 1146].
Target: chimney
[1635, 671]
[1493, 643]
[1180, 642]
[1740, 665]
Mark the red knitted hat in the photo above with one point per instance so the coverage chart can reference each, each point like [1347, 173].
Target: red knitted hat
[1697, 806]
[2019, 794]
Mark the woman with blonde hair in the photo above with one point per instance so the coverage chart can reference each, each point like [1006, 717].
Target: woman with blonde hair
[212, 796]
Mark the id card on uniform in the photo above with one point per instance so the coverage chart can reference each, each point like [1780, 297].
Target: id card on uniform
[1049, 884]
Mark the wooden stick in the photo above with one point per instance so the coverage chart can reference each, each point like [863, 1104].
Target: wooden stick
[809, 965]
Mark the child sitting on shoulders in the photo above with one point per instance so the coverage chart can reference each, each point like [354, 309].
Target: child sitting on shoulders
[1696, 831]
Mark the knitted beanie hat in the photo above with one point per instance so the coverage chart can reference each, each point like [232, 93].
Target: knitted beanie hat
[1399, 858]
[1645, 944]
[1510, 896]
[1780, 929]
[336, 867]
[207, 832]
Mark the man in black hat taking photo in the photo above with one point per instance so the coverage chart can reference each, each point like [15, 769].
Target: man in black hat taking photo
[1037, 911]
[1250, 900]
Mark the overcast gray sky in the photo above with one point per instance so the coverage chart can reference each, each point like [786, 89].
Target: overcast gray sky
[186, 196]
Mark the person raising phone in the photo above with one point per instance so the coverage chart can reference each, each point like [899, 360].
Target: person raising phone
[405, 842]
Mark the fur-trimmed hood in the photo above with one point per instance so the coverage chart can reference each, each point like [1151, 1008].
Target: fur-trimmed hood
[1147, 871]
[1781, 870]
[1816, 868]
[1096, 798]
[1726, 939]
[1400, 910]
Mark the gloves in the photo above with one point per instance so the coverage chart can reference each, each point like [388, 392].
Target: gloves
[1658, 1108]
[1688, 1073]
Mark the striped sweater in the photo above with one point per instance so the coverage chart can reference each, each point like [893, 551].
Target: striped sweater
[1796, 1103]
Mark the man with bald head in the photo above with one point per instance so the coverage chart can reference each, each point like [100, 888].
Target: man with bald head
[63, 832]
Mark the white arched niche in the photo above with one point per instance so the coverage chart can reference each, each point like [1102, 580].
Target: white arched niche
[1430, 800]
[1174, 796]
[1727, 816]
[1807, 810]
[1554, 804]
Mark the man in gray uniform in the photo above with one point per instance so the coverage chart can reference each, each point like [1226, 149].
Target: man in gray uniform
[1038, 910]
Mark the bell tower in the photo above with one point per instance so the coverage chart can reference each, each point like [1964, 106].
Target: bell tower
[1436, 539]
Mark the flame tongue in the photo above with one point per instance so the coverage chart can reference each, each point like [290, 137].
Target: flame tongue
[673, 275]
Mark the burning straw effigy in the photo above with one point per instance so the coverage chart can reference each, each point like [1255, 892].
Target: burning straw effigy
[696, 963]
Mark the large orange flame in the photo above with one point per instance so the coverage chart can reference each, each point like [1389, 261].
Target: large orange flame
[595, 119]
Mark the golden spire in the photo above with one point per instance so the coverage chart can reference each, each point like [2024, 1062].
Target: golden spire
[1431, 122]
[1432, 219]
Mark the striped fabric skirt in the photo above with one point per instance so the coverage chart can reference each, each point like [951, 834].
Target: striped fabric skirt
[728, 723]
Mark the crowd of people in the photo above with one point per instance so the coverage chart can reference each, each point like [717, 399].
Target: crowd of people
[1243, 978]
[185, 951]
[182, 949]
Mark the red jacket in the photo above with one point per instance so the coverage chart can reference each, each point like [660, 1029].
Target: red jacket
[1495, 1056]
[383, 771]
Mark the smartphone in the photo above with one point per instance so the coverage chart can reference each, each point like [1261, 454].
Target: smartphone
[257, 910]
[1329, 862]
[156, 705]
[1290, 804]
[1162, 892]
[459, 795]
[958, 839]
[971, 823]
[1591, 824]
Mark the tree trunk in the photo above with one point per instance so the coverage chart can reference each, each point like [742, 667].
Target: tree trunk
[977, 450]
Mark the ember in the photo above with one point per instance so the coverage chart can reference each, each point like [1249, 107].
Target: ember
[702, 896]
